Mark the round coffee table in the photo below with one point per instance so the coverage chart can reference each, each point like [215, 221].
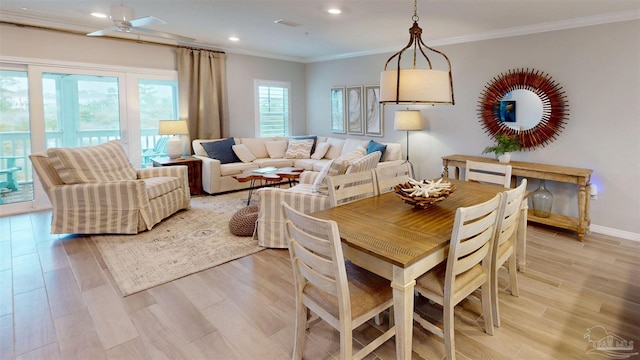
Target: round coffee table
[275, 176]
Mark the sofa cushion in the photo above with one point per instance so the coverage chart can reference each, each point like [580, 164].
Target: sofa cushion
[158, 186]
[306, 137]
[221, 150]
[278, 163]
[243, 153]
[374, 146]
[236, 168]
[353, 144]
[332, 168]
[276, 149]
[257, 146]
[91, 164]
[299, 149]
[336, 148]
[352, 156]
[321, 150]
[393, 152]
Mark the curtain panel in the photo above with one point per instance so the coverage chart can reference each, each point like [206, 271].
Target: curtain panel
[202, 93]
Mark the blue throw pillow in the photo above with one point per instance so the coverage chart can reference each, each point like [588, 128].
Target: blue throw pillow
[221, 150]
[312, 137]
[376, 146]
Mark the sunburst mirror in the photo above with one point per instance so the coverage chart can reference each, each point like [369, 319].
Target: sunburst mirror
[525, 103]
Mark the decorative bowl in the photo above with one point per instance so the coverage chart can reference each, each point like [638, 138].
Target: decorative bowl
[422, 194]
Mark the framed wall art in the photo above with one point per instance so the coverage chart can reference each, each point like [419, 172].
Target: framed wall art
[354, 110]
[337, 110]
[373, 120]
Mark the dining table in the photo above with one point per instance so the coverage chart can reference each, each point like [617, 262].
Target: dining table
[400, 242]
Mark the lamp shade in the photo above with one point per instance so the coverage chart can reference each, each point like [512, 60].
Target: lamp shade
[173, 127]
[407, 120]
[416, 86]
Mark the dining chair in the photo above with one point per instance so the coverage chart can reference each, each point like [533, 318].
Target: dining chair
[504, 244]
[467, 268]
[337, 291]
[347, 188]
[387, 177]
[488, 173]
[500, 174]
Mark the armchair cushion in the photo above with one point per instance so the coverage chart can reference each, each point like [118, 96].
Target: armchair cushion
[92, 164]
[221, 150]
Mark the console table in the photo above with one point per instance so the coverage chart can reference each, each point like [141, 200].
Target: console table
[580, 177]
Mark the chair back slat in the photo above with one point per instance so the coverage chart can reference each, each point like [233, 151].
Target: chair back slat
[509, 214]
[498, 174]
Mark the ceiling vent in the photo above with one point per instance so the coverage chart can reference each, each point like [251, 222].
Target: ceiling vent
[286, 22]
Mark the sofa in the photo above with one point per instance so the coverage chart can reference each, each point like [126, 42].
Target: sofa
[217, 173]
[96, 190]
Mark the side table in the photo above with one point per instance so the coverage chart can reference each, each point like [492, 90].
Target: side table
[194, 168]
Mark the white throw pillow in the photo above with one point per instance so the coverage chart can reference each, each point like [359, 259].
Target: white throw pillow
[243, 153]
[332, 168]
[299, 149]
[352, 156]
[276, 149]
[321, 149]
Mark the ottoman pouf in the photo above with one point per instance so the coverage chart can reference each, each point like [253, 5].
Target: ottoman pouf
[243, 222]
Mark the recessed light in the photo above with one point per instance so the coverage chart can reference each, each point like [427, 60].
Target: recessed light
[233, 38]
[99, 15]
[334, 11]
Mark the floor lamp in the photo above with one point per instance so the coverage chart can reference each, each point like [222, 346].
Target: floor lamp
[176, 128]
[408, 120]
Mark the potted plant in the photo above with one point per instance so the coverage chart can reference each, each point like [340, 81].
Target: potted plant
[505, 144]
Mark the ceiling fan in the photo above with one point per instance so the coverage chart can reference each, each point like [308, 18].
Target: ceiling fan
[123, 21]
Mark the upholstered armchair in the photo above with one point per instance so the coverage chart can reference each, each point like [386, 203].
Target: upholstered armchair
[96, 190]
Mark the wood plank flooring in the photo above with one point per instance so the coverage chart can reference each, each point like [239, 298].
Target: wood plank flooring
[59, 301]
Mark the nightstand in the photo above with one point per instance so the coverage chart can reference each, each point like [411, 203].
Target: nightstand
[194, 166]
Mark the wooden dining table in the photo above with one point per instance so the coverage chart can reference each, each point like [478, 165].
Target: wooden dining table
[399, 242]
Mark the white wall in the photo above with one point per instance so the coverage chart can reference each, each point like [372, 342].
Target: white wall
[599, 68]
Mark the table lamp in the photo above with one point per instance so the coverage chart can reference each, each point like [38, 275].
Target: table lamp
[175, 128]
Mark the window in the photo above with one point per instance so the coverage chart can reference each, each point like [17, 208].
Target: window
[272, 108]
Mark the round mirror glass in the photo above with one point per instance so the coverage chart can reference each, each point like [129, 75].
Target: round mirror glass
[520, 109]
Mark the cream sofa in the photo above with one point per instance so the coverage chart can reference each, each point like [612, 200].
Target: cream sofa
[218, 178]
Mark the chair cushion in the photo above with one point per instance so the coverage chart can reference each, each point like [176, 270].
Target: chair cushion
[433, 281]
[160, 185]
[366, 291]
[299, 149]
[90, 164]
[243, 153]
[221, 150]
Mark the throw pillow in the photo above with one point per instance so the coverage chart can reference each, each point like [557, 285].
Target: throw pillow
[221, 150]
[330, 169]
[312, 137]
[91, 164]
[352, 156]
[276, 149]
[321, 150]
[299, 149]
[374, 146]
[243, 153]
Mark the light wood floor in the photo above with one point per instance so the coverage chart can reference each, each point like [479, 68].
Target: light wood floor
[58, 301]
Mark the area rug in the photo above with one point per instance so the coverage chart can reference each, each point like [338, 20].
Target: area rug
[185, 243]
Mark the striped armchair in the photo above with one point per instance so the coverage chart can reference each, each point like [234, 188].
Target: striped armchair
[270, 227]
[95, 190]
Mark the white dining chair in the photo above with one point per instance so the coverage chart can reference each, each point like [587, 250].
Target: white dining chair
[338, 292]
[467, 268]
[386, 177]
[347, 188]
[504, 247]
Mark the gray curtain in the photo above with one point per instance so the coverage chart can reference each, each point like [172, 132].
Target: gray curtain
[202, 93]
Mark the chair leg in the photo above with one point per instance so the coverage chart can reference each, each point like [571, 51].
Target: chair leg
[449, 340]
[301, 330]
[495, 312]
[346, 342]
[513, 274]
[487, 308]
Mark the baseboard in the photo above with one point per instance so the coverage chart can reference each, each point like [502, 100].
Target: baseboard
[615, 232]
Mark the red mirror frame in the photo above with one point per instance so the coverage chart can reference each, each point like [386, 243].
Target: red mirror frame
[555, 107]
